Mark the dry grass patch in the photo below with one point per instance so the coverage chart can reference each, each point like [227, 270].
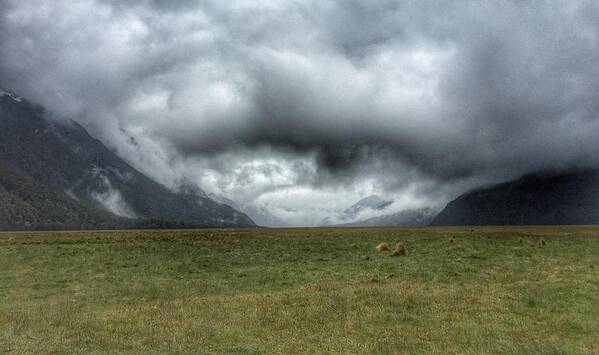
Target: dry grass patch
[382, 247]
[400, 249]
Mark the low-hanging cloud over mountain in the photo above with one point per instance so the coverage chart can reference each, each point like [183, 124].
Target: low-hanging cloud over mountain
[302, 107]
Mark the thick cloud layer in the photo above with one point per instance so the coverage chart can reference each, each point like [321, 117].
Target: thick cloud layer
[302, 107]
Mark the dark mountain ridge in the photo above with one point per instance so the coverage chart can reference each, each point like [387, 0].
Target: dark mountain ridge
[54, 175]
[545, 198]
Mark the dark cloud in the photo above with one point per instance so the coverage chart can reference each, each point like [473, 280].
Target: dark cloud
[430, 97]
[160, 5]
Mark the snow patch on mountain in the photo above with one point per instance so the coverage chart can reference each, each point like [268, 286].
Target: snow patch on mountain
[10, 94]
[373, 202]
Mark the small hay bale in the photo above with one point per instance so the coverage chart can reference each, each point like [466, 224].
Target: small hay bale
[382, 247]
[400, 249]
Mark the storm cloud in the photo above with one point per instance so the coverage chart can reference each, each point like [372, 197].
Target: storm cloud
[301, 107]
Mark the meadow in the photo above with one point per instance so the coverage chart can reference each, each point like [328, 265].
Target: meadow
[495, 290]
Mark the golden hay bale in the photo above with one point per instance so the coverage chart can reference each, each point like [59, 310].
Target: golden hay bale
[400, 249]
[382, 247]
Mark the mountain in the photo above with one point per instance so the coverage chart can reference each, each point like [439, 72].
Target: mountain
[535, 199]
[373, 202]
[54, 175]
[409, 217]
[374, 211]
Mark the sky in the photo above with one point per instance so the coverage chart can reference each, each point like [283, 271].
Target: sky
[297, 109]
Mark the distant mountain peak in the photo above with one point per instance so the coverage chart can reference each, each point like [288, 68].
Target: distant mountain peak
[375, 210]
[406, 217]
[372, 202]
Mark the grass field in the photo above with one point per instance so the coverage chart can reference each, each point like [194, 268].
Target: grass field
[286, 291]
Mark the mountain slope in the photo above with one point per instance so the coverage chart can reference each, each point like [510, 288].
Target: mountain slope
[410, 217]
[536, 199]
[55, 175]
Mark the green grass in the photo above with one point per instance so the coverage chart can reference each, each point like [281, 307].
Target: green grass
[301, 291]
